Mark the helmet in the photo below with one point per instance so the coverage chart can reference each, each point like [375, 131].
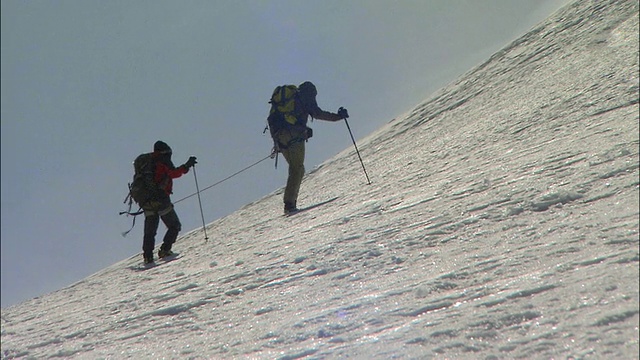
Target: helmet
[161, 147]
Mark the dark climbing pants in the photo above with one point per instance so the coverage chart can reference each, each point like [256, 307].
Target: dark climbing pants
[151, 222]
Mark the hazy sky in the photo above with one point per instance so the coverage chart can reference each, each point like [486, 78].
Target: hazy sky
[89, 85]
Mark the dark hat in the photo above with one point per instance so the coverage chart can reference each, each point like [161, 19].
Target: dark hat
[307, 87]
[161, 147]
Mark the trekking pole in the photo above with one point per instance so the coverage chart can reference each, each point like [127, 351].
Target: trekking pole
[204, 227]
[357, 152]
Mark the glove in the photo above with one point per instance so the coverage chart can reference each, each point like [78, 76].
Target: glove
[342, 112]
[191, 162]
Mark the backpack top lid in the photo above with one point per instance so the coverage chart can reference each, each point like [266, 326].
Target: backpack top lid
[142, 164]
[161, 147]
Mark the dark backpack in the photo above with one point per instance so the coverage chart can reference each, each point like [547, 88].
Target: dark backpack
[143, 188]
[284, 108]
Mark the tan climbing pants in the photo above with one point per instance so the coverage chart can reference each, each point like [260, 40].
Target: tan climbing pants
[292, 148]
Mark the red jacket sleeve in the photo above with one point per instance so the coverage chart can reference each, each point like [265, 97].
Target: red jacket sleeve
[165, 175]
[176, 172]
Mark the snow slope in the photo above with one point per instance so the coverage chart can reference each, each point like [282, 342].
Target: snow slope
[502, 222]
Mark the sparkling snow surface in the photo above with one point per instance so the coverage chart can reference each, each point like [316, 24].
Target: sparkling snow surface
[501, 222]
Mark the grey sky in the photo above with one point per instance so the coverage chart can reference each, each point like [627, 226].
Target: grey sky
[88, 85]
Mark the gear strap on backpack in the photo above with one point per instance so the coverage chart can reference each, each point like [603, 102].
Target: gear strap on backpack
[128, 212]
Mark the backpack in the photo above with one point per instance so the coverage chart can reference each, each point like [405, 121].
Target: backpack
[143, 188]
[284, 107]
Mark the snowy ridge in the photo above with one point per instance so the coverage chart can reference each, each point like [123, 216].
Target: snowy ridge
[502, 222]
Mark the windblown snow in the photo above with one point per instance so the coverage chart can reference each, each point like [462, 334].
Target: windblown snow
[501, 223]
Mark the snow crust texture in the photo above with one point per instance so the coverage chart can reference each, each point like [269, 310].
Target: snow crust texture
[501, 223]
